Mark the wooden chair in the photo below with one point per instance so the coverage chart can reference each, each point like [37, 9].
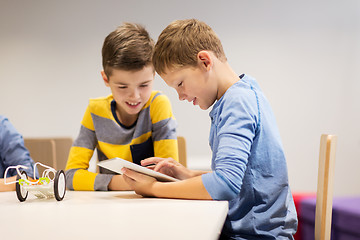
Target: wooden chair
[182, 150]
[62, 145]
[324, 196]
[42, 150]
[49, 151]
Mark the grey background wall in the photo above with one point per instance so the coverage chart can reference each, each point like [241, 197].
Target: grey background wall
[304, 54]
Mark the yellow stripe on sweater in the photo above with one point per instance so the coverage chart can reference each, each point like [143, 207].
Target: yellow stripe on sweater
[84, 180]
[79, 158]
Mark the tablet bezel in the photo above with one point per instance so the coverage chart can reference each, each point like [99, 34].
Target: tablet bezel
[116, 164]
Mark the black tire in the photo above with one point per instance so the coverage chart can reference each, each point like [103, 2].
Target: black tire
[21, 194]
[60, 185]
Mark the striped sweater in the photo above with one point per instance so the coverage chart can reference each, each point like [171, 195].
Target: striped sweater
[153, 134]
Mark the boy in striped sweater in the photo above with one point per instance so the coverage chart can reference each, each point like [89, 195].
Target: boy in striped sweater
[133, 123]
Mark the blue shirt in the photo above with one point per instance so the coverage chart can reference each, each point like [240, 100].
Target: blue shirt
[12, 150]
[249, 166]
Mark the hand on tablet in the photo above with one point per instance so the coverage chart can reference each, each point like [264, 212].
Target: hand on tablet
[141, 183]
[167, 166]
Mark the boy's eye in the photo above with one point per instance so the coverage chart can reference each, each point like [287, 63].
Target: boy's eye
[143, 85]
[180, 84]
[122, 87]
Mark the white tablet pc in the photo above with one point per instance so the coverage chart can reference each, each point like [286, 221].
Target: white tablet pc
[116, 164]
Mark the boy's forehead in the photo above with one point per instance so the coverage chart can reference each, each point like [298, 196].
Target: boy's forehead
[174, 75]
[170, 74]
[125, 76]
[174, 71]
[115, 70]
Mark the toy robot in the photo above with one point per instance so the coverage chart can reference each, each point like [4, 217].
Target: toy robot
[46, 186]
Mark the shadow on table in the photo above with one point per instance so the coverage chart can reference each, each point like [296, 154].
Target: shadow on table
[128, 196]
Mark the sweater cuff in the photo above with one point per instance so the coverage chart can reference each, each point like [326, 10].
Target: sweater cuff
[217, 187]
[102, 182]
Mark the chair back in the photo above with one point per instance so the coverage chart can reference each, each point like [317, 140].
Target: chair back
[182, 150]
[324, 196]
[62, 145]
[42, 150]
[49, 151]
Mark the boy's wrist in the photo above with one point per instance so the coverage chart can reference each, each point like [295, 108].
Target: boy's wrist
[117, 183]
[153, 189]
[156, 189]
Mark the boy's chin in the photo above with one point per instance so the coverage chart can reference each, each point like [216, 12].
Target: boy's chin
[204, 107]
[133, 111]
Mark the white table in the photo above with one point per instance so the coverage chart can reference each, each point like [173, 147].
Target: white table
[109, 215]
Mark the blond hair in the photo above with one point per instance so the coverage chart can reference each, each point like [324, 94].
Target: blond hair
[129, 47]
[181, 41]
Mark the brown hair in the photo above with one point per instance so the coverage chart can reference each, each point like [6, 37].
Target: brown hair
[129, 47]
[181, 41]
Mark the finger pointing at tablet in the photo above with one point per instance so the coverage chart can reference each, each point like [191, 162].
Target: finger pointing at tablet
[167, 166]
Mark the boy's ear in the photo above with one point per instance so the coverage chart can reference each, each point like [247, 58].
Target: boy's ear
[205, 59]
[105, 78]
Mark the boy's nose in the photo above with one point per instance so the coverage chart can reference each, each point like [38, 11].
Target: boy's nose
[134, 94]
[182, 96]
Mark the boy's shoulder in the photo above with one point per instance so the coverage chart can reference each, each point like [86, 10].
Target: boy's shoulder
[2, 118]
[101, 104]
[156, 98]
[245, 83]
[158, 104]
[243, 90]
[242, 96]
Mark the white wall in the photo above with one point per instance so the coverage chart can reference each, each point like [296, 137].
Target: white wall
[305, 55]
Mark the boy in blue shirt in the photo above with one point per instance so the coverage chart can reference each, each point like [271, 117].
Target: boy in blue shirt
[248, 163]
[12, 153]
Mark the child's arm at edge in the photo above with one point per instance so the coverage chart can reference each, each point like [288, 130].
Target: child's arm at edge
[192, 188]
[7, 187]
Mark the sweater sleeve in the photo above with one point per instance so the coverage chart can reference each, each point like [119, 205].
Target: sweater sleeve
[236, 127]
[77, 175]
[163, 128]
[13, 151]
